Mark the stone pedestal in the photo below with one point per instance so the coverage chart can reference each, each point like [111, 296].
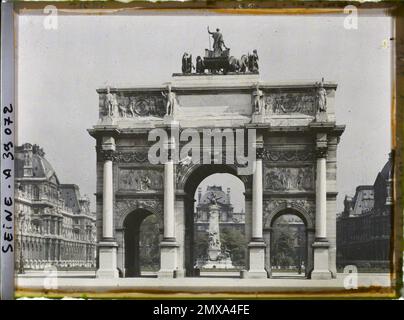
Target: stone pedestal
[107, 253]
[169, 120]
[257, 118]
[321, 266]
[168, 259]
[321, 117]
[256, 252]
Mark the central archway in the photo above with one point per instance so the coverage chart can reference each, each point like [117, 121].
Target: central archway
[194, 178]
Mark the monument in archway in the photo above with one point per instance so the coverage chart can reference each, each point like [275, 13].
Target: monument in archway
[217, 256]
[221, 115]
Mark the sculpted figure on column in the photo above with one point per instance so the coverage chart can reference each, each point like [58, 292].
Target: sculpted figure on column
[322, 97]
[111, 103]
[171, 101]
[259, 102]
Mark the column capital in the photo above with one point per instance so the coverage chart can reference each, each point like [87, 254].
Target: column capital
[108, 155]
[259, 152]
[321, 152]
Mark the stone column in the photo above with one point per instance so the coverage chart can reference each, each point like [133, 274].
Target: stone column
[321, 269]
[257, 245]
[107, 246]
[169, 246]
[257, 201]
[169, 214]
[180, 233]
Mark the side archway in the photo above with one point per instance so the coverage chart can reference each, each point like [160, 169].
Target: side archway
[301, 239]
[133, 243]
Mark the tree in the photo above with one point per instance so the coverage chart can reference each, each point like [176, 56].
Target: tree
[201, 245]
[149, 239]
[283, 252]
[234, 240]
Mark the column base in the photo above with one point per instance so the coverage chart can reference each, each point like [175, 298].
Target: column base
[180, 273]
[107, 252]
[321, 275]
[321, 263]
[168, 260]
[256, 251]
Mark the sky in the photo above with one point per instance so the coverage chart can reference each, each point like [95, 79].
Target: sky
[59, 71]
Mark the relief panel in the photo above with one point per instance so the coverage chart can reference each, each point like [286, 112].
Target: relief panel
[140, 179]
[289, 179]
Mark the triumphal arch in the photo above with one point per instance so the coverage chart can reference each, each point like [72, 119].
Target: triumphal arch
[155, 144]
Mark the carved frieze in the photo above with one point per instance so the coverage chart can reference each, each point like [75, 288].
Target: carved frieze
[130, 106]
[140, 179]
[288, 155]
[292, 102]
[289, 179]
[130, 157]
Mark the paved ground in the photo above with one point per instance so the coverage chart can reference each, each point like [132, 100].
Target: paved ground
[85, 282]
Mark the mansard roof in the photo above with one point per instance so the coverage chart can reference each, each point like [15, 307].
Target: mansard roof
[41, 168]
[385, 173]
[71, 195]
[366, 196]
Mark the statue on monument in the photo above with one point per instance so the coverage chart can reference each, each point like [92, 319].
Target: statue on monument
[200, 66]
[219, 60]
[253, 61]
[218, 42]
[214, 199]
[187, 64]
[171, 101]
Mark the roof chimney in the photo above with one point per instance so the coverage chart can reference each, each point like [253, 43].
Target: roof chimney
[27, 152]
[199, 194]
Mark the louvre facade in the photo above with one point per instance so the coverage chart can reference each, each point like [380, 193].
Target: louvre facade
[55, 226]
[364, 227]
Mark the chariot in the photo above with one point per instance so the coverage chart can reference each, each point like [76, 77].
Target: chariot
[214, 62]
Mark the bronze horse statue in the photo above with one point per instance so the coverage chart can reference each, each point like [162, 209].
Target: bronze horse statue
[238, 65]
